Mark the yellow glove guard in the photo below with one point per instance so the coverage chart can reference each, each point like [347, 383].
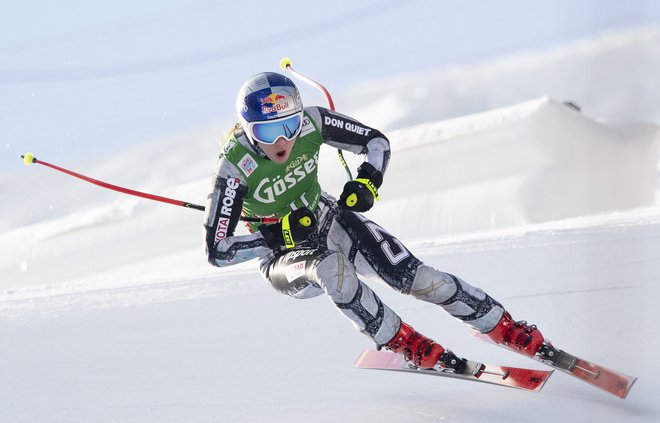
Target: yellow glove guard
[370, 185]
[286, 229]
[286, 232]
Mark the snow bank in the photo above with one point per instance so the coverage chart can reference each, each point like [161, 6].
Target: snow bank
[533, 162]
[612, 76]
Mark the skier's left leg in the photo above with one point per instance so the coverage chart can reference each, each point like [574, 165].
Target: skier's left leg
[476, 308]
[374, 251]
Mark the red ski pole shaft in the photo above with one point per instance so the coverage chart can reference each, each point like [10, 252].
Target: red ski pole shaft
[287, 64]
[28, 158]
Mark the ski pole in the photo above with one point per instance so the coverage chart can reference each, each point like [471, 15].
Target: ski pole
[287, 64]
[28, 159]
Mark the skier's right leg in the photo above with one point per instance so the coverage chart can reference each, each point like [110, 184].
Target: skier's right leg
[307, 272]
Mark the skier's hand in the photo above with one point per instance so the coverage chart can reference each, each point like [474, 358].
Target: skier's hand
[359, 194]
[295, 227]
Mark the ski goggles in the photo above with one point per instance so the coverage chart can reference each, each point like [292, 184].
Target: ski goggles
[268, 132]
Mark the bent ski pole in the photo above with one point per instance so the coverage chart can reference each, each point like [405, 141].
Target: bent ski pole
[287, 64]
[28, 159]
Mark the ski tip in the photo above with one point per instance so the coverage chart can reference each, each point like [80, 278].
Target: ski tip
[627, 391]
[28, 158]
[285, 63]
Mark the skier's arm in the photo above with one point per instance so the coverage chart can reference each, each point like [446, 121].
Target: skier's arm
[348, 134]
[223, 211]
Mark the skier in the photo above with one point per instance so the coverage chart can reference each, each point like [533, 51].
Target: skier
[268, 168]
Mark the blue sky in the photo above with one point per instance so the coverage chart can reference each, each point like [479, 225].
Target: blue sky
[83, 79]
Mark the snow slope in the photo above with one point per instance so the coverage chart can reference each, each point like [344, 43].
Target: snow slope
[112, 314]
[223, 346]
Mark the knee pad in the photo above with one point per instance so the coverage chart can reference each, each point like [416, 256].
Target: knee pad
[337, 277]
[432, 285]
[457, 297]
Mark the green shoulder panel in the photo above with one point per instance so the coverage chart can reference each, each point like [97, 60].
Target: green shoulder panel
[275, 189]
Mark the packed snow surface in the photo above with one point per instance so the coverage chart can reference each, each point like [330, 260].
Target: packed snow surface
[167, 339]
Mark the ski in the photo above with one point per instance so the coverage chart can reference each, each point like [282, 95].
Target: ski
[613, 382]
[525, 379]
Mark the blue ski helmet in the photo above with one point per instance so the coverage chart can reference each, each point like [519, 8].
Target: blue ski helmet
[269, 97]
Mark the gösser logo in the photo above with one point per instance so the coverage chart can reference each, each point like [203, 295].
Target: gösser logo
[225, 212]
[268, 189]
[296, 162]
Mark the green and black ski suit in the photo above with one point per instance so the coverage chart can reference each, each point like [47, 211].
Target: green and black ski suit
[346, 247]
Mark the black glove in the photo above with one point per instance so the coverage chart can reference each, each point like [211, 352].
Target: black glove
[359, 194]
[295, 227]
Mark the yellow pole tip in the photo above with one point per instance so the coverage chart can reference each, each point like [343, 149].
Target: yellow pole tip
[285, 63]
[28, 159]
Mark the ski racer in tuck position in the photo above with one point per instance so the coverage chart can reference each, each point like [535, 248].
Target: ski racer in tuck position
[268, 168]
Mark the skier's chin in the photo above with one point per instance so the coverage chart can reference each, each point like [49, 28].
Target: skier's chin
[280, 151]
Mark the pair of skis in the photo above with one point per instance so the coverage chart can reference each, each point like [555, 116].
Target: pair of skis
[610, 381]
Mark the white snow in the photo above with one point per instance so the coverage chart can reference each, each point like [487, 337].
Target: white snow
[222, 346]
[612, 77]
[112, 314]
[531, 162]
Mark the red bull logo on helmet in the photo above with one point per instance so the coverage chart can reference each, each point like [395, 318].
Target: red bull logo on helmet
[274, 103]
[272, 99]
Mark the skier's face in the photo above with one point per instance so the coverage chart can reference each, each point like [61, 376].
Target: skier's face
[279, 151]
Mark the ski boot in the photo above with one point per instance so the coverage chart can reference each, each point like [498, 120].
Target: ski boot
[423, 352]
[517, 336]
